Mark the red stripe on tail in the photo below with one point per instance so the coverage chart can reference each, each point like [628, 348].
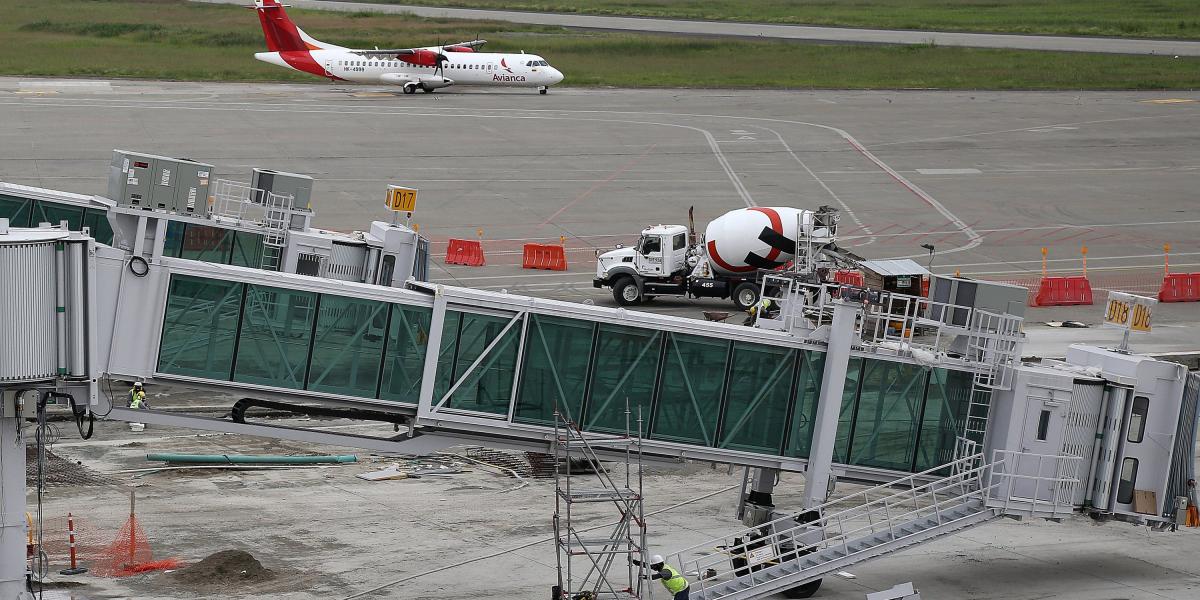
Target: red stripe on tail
[281, 33]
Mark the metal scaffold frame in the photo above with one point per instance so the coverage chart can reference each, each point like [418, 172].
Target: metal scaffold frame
[604, 577]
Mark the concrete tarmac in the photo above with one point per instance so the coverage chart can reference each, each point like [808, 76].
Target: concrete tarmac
[769, 31]
[988, 178]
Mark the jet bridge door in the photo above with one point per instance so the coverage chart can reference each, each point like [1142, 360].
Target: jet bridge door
[1147, 439]
[1042, 439]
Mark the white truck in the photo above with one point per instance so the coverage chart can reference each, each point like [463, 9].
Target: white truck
[669, 260]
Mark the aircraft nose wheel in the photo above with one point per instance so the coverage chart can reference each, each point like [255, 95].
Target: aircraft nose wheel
[543, 89]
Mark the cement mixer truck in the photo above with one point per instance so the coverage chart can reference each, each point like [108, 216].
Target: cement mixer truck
[670, 260]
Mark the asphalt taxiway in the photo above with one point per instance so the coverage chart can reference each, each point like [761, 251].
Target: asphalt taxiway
[988, 178]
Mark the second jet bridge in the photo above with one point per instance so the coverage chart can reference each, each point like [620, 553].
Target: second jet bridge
[499, 365]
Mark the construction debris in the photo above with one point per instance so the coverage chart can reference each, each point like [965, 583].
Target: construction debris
[223, 570]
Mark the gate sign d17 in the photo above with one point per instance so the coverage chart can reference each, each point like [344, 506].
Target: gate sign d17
[401, 199]
[1128, 311]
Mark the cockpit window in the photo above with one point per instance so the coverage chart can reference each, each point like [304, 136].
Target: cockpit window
[543, 63]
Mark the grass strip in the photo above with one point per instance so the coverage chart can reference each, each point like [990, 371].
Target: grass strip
[178, 40]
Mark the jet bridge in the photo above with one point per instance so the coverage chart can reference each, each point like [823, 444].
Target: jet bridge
[928, 399]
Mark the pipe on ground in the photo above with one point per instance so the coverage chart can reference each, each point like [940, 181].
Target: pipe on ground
[243, 459]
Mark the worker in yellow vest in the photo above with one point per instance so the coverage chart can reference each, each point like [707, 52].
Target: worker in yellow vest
[671, 579]
[137, 396]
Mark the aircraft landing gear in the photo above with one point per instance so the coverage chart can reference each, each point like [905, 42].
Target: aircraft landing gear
[543, 89]
[410, 89]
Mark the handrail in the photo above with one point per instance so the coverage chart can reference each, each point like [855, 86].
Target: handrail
[837, 521]
[863, 493]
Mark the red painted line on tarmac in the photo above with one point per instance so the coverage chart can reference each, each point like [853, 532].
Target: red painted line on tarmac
[885, 229]
[954, 233]
[907, 186]
[1073, 235]
[1014, 234]
[1103, 237]
[599, 184]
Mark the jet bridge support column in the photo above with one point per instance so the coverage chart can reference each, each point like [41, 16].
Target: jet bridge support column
[757, 508]
[829, 405]
[12, 500]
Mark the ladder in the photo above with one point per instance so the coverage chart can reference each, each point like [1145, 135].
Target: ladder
[604, 557]
[992, 344]
[788, 552]
[276, 215]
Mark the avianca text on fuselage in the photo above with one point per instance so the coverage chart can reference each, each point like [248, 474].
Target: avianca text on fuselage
[425, 69]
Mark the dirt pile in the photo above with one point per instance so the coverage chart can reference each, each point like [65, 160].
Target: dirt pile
[224, 569]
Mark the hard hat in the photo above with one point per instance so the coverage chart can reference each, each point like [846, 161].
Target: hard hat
[657, 559]
[137, 384]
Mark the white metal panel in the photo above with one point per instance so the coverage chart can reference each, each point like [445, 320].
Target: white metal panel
[27, 306]
[1081, 428]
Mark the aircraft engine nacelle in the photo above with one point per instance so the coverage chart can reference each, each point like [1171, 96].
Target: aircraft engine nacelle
[433, 82]
[422, 57]
[741, 241]
[458, 49]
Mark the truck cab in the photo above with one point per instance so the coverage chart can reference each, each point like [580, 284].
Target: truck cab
[657, 264]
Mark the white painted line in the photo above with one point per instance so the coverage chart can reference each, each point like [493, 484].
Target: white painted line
[838, 199]
[64, 83]
[949, 171]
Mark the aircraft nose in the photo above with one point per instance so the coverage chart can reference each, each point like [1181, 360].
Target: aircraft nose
[555, 76]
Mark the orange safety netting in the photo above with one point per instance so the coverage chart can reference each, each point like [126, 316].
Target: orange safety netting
[129, 554]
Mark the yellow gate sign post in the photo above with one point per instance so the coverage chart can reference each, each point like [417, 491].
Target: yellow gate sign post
[401, 199]
[1129, 312]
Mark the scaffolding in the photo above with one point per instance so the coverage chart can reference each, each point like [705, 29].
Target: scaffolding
[592, 566]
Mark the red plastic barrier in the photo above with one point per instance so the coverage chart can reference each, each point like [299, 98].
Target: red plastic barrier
[464, 252]
[1063, 291]
[848, 277]
[1180, 287]
[924, 286]
[544, 256]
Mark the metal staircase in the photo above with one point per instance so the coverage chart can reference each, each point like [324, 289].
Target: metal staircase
[789, 552]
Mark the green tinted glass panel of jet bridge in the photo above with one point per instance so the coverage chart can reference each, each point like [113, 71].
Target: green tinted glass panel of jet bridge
[841, 446]
[554, 369]
[348, 346]
[481, 361]
[200, 327]
[942, 422]
[804, 411]
[690, 389]
[404, 359]
[277, 327]
[757, 399]
[624, 369]
[888, 414]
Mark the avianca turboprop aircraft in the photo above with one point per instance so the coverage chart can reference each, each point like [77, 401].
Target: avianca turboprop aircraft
[424, 69]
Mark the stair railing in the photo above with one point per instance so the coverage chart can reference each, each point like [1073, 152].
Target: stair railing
[874, 511]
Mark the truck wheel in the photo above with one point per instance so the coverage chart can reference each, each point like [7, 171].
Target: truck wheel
[626, 292]
[745, 295]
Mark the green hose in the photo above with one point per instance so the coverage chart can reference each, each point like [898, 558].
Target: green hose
[250, 459]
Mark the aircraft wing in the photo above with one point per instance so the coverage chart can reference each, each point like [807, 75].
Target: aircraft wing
[398, 52]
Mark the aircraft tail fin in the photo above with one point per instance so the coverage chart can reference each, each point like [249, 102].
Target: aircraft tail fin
[282, 34]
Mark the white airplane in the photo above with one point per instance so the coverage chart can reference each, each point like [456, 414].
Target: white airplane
[424, 69]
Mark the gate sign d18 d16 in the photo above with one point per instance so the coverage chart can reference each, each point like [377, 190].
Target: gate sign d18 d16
[401, 199]
[1128, 311]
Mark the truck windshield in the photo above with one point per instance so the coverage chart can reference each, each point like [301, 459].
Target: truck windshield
[649, 244]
